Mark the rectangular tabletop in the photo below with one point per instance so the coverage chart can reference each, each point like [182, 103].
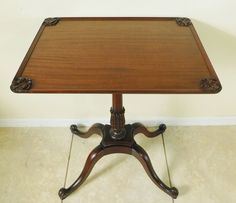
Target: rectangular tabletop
[116, 55]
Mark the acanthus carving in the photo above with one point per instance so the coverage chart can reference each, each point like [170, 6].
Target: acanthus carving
[210, 85]
[21, 85]
[51, 21]
[117, 122]
[183, 21]
[117, 119]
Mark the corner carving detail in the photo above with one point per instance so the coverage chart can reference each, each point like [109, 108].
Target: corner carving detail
[21, 85]
[210, 85]
[183, 21]
[51, 21]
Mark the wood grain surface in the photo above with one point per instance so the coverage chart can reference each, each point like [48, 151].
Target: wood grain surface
[117, 55]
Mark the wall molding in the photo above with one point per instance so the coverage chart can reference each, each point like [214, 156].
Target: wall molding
[169, 121]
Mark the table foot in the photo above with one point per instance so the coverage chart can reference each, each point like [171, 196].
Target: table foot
[97, 128]
[140, 128]
[62, 193]
[93, 157]
[126, 145]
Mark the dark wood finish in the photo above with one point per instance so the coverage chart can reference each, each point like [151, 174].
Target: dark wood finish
[51, 21]
[127, 145]
[210, 84]
[96, 128]
[93, 157]
[117, 103]
[183, 21]
[118, 138]
[140, 128]
[117, 117]
[21, 85]
[117, 55]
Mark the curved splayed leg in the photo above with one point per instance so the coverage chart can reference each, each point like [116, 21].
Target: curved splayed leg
[93, 157]
[140, 128]
[96, 128]
[143, 157]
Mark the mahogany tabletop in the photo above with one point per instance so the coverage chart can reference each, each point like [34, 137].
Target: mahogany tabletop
[116, 55]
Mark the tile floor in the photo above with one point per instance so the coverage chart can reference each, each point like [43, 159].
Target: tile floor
[36, 162]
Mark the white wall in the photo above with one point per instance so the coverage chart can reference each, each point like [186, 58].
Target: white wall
[214, 20]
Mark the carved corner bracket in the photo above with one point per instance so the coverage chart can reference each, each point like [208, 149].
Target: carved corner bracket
[210, 85]
[51, 21]
[183, 21]
[21, 85]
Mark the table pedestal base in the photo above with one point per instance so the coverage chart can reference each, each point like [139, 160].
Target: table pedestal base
[118, 138]
[109, 146]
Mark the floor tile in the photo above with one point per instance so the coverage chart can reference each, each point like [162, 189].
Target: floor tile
[32, 164]
[117, 178]
[202, 163]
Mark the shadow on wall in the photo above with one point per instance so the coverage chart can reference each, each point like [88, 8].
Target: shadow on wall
[220, 45]
[221, 49]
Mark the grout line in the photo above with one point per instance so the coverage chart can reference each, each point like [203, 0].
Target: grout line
[167, 166]
[173, 201]
[68, 161]
[168, 170]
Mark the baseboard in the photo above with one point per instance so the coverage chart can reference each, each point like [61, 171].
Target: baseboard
[170, 121]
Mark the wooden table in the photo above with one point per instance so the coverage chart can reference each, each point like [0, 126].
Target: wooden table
[116, 56]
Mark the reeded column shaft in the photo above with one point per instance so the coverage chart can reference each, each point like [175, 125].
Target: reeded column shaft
[117, 117]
